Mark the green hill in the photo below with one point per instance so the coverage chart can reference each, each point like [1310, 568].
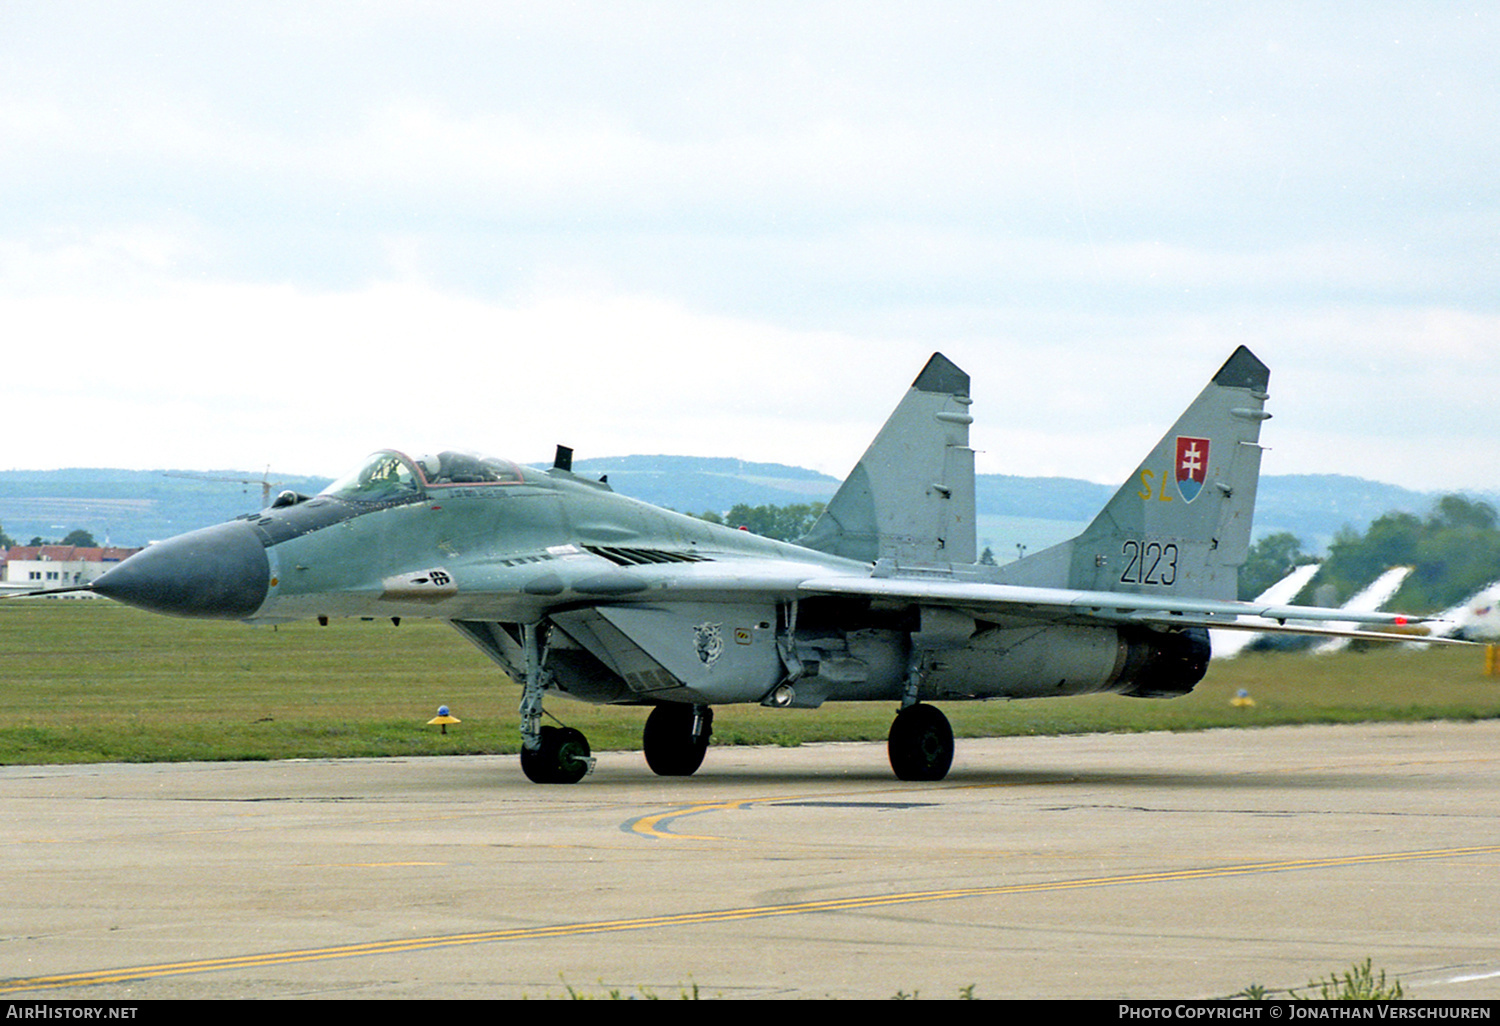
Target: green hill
[132, 507]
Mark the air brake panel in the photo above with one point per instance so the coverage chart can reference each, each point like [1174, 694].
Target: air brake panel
[610, 646]
[723, 653]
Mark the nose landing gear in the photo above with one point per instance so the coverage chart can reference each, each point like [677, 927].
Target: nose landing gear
[563, 757]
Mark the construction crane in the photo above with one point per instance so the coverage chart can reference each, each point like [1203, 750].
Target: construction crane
[265, 482]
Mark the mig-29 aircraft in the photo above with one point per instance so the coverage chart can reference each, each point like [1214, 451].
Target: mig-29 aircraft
[573, 589]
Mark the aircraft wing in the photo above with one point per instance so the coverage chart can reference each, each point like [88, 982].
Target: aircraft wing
[1372, 597]
[1064, 605]
[1228, 645]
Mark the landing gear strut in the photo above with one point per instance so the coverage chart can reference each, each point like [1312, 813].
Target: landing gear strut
[676, 738]
[920, 744]
[549, 755]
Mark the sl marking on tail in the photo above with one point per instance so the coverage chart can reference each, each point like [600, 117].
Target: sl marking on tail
[1147, 479]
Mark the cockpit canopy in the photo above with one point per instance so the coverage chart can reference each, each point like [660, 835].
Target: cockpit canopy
[452, 467]
[389, 475]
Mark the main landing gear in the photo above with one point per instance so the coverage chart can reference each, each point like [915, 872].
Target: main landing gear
[676, 738]
[920, 743]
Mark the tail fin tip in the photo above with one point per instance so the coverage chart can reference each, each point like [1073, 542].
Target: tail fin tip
[1243, 370]
[942, 375]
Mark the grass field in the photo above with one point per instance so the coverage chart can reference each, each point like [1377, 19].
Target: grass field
[93, 681]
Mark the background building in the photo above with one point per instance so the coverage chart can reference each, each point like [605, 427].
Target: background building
[56, 566]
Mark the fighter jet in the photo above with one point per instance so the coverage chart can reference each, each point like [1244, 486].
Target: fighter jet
[575, 590]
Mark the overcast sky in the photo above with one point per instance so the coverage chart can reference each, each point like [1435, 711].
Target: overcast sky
[276, 234]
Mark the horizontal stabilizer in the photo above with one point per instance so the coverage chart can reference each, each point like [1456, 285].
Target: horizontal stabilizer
[1064, 605]
[1229, 645]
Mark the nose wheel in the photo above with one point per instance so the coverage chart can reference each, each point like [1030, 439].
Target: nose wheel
[549, 755]
[920, 744]
[676, 738]
[563, 757]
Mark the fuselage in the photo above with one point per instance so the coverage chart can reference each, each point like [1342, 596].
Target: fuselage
[640, 604]
[505, 545]
[570, 587]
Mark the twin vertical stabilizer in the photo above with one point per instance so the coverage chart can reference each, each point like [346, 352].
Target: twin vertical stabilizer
[1180, 525]
[910, 499]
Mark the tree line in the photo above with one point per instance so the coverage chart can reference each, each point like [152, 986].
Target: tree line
[782, 523]
[1454, 549]
[78, 536]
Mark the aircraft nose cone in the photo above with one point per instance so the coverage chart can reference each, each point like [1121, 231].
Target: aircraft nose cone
[217, 573]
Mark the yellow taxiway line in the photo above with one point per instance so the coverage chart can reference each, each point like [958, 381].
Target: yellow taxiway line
[143, 972]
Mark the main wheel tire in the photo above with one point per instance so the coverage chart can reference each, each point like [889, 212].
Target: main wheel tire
[920, 744]
[562, 757]
[668, 742]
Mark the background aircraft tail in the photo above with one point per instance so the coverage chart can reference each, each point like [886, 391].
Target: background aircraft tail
[910, 498]
[1180, 525]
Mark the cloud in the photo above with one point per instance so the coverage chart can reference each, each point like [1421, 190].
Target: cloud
[241, 375]
[218, 375]
[741, 230]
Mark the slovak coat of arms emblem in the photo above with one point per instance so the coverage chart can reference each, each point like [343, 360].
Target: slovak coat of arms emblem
[1192, 466]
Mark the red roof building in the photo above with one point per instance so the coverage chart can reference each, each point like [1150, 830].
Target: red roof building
[58, 566]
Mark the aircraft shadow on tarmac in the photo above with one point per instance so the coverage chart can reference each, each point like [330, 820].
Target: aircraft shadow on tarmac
[1015, 777]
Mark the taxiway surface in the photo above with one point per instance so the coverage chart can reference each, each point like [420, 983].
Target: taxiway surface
[1100, 866]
